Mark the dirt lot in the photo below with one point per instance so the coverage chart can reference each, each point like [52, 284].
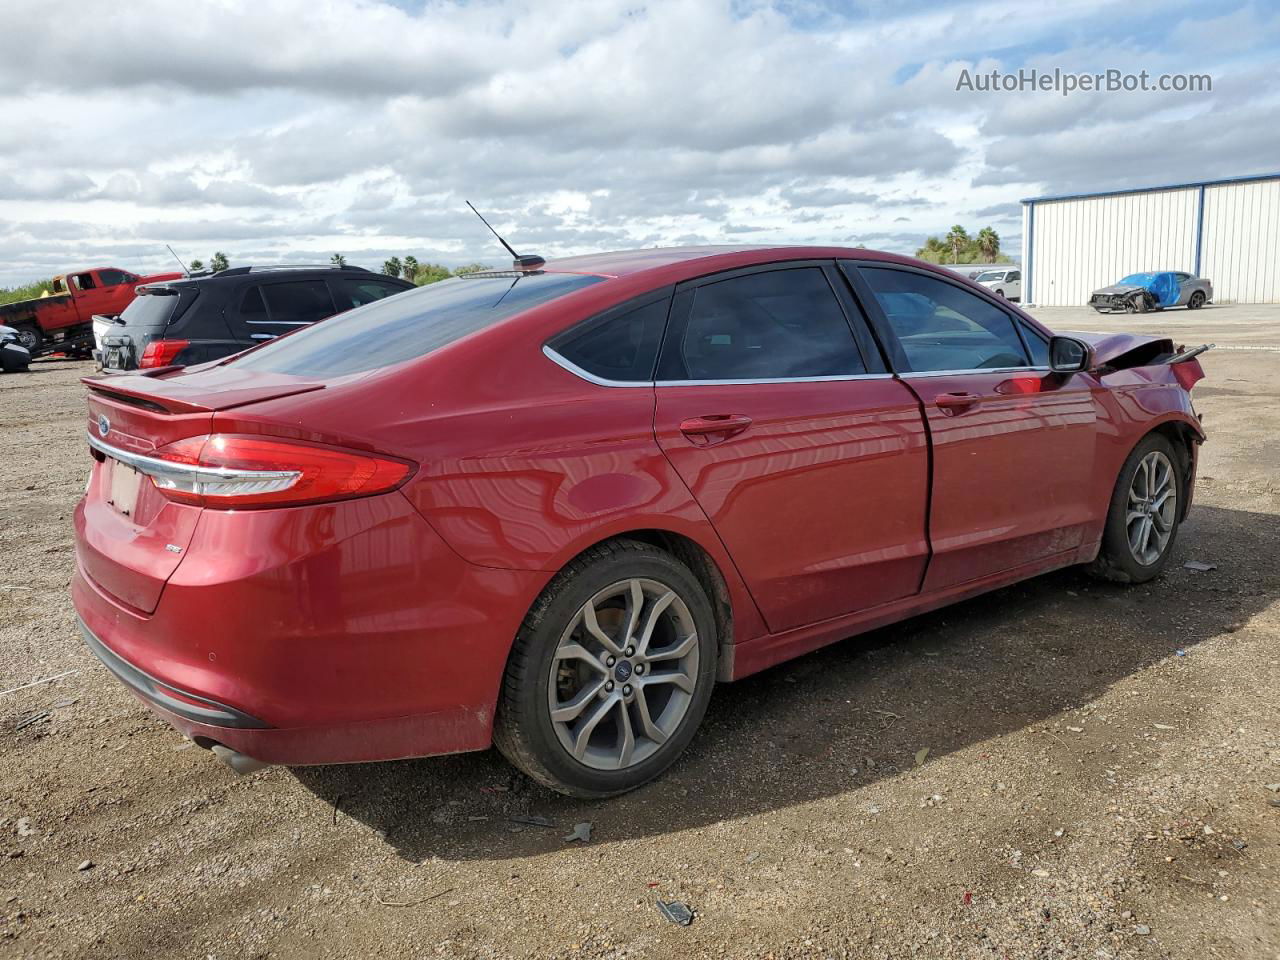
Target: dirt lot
[1096, 783]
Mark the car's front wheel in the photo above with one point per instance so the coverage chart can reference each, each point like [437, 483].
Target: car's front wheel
[1145, 511]
[611, 672]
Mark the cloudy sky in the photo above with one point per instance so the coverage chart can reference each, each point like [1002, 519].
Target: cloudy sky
[285, 130]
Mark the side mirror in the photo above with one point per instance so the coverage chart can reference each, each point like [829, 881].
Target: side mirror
[1068, 355]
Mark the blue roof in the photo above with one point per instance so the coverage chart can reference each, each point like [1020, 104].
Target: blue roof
[1167, 186]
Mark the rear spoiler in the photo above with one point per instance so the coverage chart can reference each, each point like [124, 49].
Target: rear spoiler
[153, 389]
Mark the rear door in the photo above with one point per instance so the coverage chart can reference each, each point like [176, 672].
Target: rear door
[809, 458]
[1013, 444]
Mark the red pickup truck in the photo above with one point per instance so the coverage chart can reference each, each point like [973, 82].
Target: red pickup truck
[62, 321]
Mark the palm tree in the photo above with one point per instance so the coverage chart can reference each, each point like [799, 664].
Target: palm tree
[410, 268]
[957, 237]
[391, 267]
[338, 260]
[219, 262]
[197, 266]
[989, 244]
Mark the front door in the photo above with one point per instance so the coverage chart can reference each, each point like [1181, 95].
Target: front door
[1013, 444]
[807, 456]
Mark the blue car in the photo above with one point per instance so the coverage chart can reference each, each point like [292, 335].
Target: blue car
[1141, 292]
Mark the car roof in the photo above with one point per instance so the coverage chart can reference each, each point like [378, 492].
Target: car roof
[622, 263]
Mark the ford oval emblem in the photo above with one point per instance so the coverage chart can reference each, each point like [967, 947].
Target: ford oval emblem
[104, 425]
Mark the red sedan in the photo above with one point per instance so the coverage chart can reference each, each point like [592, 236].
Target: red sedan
[550, 508]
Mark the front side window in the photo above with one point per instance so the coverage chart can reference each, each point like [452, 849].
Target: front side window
[298, 301]
[942, 327]
[113, 278]
[621, 345]
[774, 325]
[1014, 276]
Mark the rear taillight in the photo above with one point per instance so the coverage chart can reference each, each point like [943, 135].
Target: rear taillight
[233, 472]
[1189, 373]
[162, 353]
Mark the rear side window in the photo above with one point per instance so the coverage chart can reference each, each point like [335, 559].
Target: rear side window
[774, 325]
[298, 301]
[621, 345]
[252, 306]
[412, 325]
[356, 293]
[942, 327]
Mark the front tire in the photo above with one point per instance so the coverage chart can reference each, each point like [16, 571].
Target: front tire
[1144, 515]
[611, 672]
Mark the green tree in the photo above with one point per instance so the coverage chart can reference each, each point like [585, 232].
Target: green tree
[933, 251]
[409, 270]
[988, 244]
[219, 262]
[338, 260]
[431, 273]
[957, 238]
[197, 266]
[471, 268]
[391, 267]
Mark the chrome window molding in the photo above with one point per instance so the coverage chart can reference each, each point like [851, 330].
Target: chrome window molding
[587, 375]
[729, 383]
[915, 374]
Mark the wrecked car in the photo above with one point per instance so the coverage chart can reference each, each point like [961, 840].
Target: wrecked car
[1143, 292]
[13, 355]
[550, 508]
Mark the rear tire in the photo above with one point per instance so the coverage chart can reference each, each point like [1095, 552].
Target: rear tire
[29, 336]
[610, 674]
[1196, 301]
[1144, 514]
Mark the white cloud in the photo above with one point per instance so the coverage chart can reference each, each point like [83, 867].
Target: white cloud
[292, 130]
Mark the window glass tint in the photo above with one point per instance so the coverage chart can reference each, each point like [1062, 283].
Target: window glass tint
[356, 293]
[942, 327]
[252, 306]
[150, 310]
[619, 346]
[412, 325]
[111, 278]
[1038, 344]
[298, 301]
[767, 326]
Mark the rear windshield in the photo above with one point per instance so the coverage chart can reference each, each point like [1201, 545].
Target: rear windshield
[151, 309]
[408, 325]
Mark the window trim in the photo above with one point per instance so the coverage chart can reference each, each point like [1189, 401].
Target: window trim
[604, 316]
[852, 269]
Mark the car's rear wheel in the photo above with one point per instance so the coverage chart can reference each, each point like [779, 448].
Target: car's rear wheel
[611, 672]
[29, 336]
[1144, 515]
[1196, 301]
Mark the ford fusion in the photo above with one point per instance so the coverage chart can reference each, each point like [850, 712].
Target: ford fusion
[548, 509]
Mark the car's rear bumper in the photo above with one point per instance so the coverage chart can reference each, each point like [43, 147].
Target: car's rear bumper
[341, 633]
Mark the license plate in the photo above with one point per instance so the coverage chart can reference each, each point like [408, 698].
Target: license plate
[125, 482]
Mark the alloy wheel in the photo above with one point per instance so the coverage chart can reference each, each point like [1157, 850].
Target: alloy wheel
[1152, 509]
[623, 674]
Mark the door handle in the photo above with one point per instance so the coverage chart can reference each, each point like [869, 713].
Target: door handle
[714, 427]
[954, 403]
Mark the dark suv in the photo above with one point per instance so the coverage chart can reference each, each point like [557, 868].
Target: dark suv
[200, 318]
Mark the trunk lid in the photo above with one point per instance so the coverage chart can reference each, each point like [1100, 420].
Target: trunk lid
[131, 537]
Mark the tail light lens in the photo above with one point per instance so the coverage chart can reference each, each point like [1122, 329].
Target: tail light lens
[229, 471]
[162, 353]
[1188, 373]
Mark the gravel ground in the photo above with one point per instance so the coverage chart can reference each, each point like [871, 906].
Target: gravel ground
[1096, 782]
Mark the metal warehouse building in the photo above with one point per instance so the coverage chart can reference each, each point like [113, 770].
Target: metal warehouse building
[1226, 230]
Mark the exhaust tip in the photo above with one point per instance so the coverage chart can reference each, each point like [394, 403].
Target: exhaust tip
[237, 761]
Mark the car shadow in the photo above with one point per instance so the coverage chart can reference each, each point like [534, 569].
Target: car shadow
[846, 716]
